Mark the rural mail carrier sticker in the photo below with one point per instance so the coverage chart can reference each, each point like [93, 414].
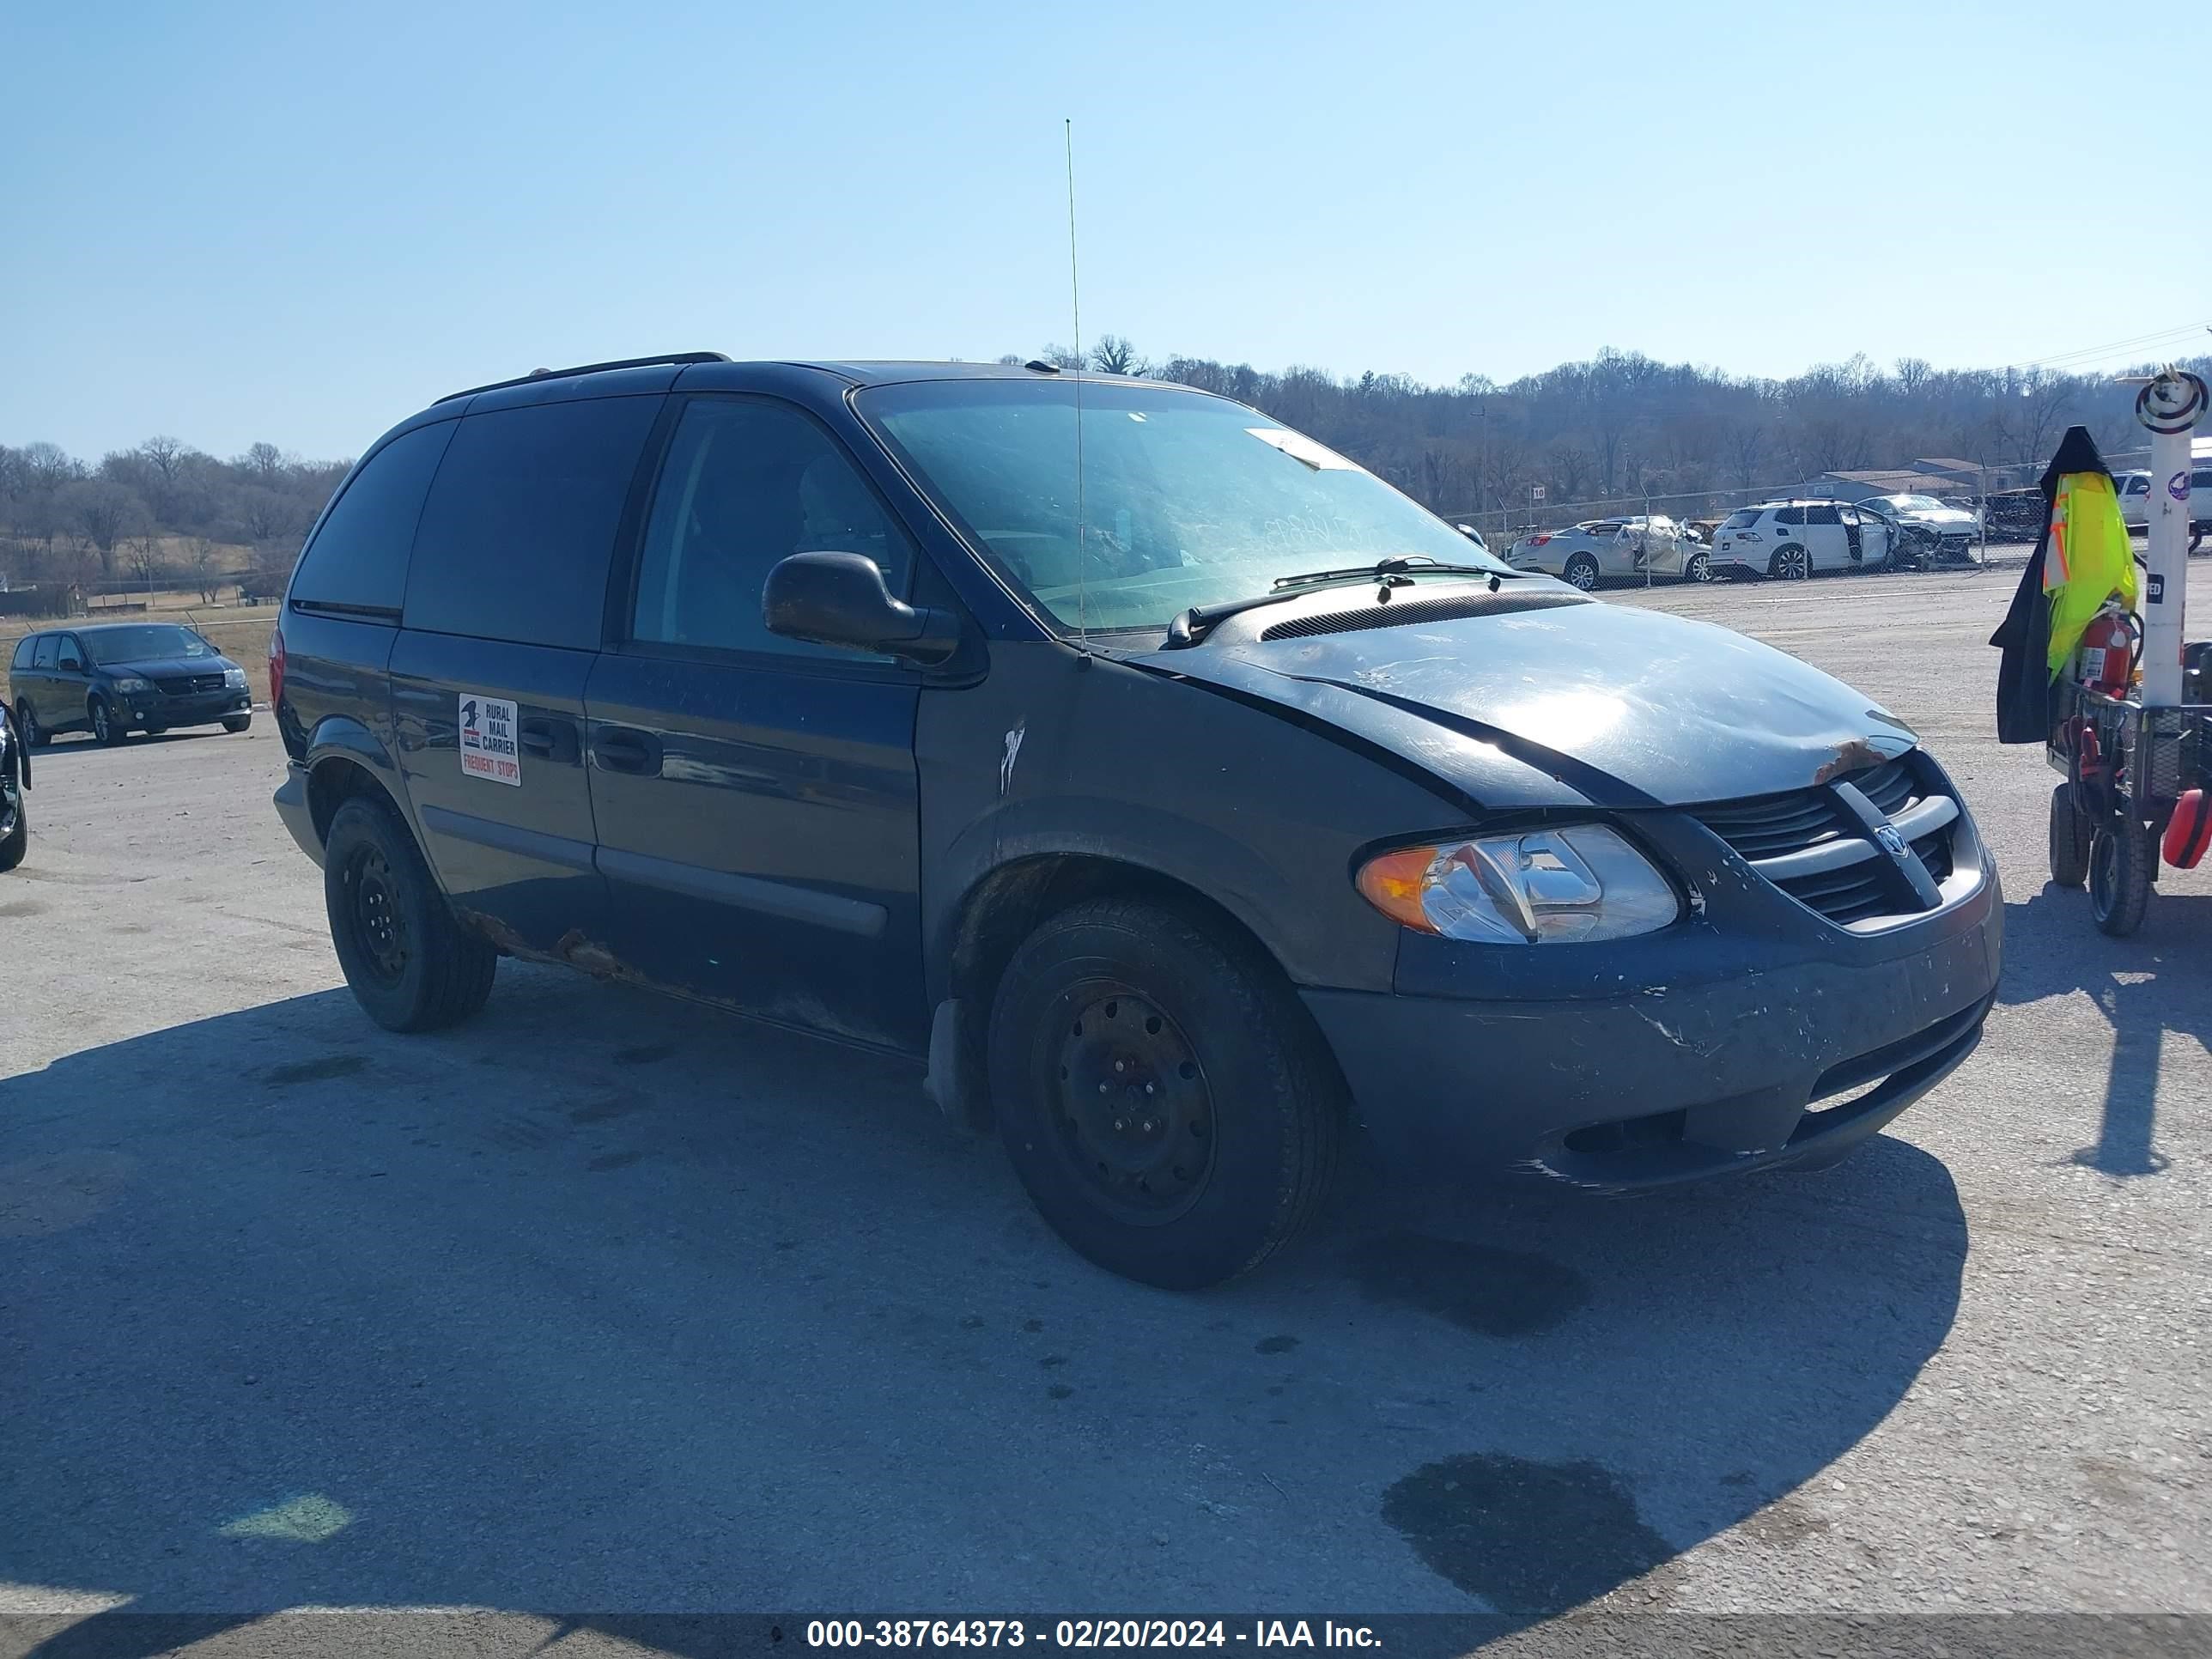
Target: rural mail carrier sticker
[487, 745]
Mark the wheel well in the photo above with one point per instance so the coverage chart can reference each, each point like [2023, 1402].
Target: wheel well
[334, 781]
[1774, 563]
[1008, 904]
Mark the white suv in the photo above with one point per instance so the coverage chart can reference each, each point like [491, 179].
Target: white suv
[1791, 540]
[2135, 491]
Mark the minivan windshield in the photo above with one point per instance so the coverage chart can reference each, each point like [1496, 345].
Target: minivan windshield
[149, 643]
[1185, 498]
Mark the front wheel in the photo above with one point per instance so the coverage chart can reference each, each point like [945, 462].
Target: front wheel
[106, 728]
[2123, 857]
[27, 724]
[1698, 569]
[410, 965]
[1582, 572]
[238, 723]
[1791, 564]
[1161, 1094]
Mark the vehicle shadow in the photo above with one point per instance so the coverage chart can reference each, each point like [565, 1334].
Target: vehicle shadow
[2144, 986]
[607, 1303]
[73, 745]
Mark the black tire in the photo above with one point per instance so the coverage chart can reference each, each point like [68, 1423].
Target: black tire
[19, 839]
[1697, 568]
[1581, 572]
[410, 965]
[27, 723]
[106, 729]
[1224, 1055]
[2122, 859]
[2070, 834]
[157, 730]
[1791, 564]
[238, 723]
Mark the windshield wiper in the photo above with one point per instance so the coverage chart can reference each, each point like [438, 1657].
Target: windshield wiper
[1193, 625]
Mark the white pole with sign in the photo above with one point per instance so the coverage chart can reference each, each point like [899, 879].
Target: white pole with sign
[2169, 406]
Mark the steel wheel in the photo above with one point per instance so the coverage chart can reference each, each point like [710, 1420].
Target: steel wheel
[1134, 1111]
[380, 929]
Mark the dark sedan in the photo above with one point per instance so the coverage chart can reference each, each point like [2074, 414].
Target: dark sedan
[114, 678]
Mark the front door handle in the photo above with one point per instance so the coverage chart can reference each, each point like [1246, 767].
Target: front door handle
[626, 748]
[549, 736]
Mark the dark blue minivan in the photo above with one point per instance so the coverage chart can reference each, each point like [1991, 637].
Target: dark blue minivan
[1183, 797]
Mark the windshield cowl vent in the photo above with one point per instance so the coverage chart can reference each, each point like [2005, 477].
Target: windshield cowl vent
[1444, 607]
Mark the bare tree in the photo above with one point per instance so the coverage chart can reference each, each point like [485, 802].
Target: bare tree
[264, 462]
[106, 512]
[1115, 354]
[204, 575]
[1060, 357]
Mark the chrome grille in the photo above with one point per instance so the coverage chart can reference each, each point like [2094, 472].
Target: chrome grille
[1813, 845]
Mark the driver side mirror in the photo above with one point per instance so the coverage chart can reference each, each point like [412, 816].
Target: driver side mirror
[840, 599]
[72, 664]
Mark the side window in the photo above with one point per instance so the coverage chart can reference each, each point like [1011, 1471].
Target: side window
[1790, 515]
[24, 647]
[2201, 479]
[519, 528]
[358, 560]
[69, 648]
[1822, 515]
[49, 651]
[745, 485]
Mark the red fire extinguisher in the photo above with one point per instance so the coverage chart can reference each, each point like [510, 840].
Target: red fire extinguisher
[2109, 648]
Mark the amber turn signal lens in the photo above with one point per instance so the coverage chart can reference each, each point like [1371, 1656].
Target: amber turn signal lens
[1393, 883]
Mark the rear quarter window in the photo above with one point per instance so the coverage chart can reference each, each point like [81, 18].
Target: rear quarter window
[358, 559]
[519, 530]
[1742, 521]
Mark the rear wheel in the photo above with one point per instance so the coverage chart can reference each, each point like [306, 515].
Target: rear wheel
[105, 726]
[1160, 1092]
[410, 965]
[1582, 571]
[2122, 859]
[2070, 836]
[1789, 564]
[27, 724]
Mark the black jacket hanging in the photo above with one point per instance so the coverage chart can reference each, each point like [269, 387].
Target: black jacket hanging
[2024, 677]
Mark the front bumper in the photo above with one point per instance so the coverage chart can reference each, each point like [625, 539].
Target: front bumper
[1752, 1036]
[202, 708]
[291, 800]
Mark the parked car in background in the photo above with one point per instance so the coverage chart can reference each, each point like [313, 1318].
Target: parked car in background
[1791, 541]
[1612, 550]
[113, 678]
[2136, 499]
[1953, 529]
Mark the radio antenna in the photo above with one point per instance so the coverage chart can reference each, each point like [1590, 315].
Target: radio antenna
[1075, 300]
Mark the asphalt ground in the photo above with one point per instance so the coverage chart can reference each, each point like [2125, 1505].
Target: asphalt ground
[609, 1304]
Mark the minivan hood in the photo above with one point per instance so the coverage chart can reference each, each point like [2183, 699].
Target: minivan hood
[1605, 704]
[162, 667]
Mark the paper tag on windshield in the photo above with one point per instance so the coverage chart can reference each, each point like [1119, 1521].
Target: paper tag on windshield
[1299, 447]
[489, 749]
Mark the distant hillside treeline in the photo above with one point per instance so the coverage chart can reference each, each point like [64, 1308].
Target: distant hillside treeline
[1619, 428]
[162, 513]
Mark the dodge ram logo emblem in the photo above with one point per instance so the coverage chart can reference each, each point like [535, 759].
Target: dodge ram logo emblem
[1891, 842]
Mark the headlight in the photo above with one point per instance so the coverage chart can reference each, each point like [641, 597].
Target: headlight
[127, 683]
[1578, 884]
[234, 678]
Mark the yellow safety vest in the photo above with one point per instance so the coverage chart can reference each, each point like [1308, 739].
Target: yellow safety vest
[2089, 560]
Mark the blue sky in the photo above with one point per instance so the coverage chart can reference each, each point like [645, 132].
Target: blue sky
[300, 222]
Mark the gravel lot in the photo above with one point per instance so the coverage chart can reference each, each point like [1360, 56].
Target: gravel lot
[611, 1303]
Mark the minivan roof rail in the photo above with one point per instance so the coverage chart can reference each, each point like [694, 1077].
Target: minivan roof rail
[592, 369]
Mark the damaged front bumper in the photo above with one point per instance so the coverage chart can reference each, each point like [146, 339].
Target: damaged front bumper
[1752, 1036]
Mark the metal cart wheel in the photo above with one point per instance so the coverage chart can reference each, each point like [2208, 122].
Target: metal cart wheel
[2071, 835]
[2122, 859]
